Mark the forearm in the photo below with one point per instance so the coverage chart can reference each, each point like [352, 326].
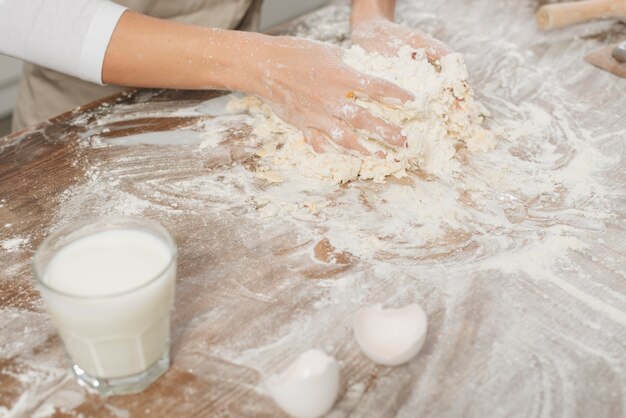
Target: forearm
[365, 10]
[148, 52]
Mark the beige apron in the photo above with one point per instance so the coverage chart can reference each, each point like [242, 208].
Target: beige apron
[45, 93]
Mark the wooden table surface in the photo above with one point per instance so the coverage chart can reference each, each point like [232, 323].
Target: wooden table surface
[524, 286]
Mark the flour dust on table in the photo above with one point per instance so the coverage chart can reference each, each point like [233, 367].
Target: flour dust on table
[518, 258]
[442, 118]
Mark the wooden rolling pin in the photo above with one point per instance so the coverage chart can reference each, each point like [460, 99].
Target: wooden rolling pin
[558, 15]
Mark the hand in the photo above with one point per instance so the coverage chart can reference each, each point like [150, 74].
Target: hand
[386, 37]
[307, 84]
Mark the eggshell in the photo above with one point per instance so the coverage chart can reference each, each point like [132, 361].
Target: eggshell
[309, 387]
[390, 336]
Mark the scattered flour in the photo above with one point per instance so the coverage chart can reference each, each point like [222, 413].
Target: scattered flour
[519, 255]
[14, 244]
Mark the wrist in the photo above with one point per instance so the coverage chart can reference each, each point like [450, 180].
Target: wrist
[240, 65]
[273, 61]
[364, 11]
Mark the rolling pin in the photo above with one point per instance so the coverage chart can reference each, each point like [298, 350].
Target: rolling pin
[558, 15]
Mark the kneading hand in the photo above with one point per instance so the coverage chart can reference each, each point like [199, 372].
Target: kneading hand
[307, 84]
[386, 38]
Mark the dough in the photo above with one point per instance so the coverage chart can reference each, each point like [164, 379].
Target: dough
[443, 115]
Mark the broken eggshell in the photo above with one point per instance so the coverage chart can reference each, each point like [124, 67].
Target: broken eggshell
[390, 336]
[309, 387]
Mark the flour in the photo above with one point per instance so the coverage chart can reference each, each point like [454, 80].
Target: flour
[518, 257]
[36, 383]
[14, 244]
[21, 330]
[443, 115]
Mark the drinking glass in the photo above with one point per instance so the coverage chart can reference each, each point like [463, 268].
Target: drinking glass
[108, 285]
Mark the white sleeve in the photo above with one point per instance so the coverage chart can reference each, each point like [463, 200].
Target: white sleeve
[69, 36]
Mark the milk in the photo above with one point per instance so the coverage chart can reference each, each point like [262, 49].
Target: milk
[109, 294]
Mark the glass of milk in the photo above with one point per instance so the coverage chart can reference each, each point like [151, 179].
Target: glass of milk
[108, 285]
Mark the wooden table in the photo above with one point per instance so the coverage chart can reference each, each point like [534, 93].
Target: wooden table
[525, 286]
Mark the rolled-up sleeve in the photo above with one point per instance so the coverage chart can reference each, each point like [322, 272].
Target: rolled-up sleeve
[69, 36]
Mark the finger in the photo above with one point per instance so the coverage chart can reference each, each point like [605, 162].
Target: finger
[342, 135]
[360, 118]
[379, 89]
[436, 52]
[434, 48]
[318, 141]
